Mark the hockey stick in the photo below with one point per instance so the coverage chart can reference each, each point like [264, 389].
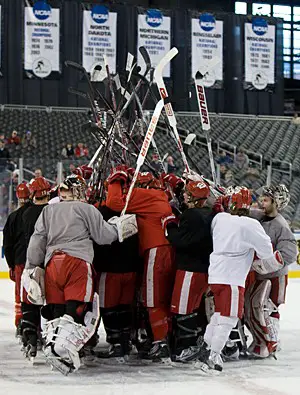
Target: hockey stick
[186, 146]
[158, 78]
[203, 110]
[144, 149]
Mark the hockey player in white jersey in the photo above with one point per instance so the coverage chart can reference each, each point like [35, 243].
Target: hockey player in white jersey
[264, 296]
[62, 243]
[236, 238]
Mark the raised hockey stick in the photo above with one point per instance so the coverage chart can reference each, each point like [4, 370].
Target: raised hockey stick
[186, 146]
[144, 149]
[203, 110]
[158, 78]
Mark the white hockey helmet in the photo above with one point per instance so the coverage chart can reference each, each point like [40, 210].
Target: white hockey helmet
[279, 193]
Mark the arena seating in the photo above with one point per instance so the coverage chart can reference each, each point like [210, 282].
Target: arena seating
[273, 138]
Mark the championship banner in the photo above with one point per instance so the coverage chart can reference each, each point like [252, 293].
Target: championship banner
[259, 53]
[41, 39]
[207, 43]
[99, 38]
[154, 33]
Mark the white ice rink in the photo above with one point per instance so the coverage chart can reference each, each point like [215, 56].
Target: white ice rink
[268, 377]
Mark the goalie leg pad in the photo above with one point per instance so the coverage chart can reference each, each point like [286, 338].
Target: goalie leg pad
[263, 326]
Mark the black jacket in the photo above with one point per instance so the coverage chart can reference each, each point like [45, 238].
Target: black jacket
[117, 257]
[13, 238]
[30, 217]
[192, 239]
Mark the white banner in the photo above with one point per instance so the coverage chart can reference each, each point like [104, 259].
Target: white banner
[259, 53]
[154, 33]
[99, 38]
[41, 39]
[207, 43]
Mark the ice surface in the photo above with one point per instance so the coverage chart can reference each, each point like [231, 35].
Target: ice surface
[267, 377]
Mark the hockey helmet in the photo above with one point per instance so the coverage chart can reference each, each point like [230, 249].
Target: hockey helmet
[239, 198]
[39, 187]
[147, 180]
[279, 194]
[22, 192]
[84, 171]
[198, 190]
[76, 185]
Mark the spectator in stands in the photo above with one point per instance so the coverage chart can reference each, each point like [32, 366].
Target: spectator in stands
[224, 159]
[155, 162]
[228, 181]
[81, 151]
[4, 156]
[38, 173]
[72, 167]
[171, 168]
[29, 140]
[68, 152]
[296, 119]
[223, 171]
[2, 137]
[14, 139]
[241, 160]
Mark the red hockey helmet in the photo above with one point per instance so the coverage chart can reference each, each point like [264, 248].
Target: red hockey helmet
[147, 180]
[239, 198]
[84, 171]
[199, 190]
[22, 191]
[39, 187]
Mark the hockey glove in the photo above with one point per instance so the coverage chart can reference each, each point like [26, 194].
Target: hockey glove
[269, 265]
[35, 278]
[12, 275]
[118, 173]
[218, 206]
[126, 226]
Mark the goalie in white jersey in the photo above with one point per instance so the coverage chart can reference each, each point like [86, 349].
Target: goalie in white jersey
[236, 239]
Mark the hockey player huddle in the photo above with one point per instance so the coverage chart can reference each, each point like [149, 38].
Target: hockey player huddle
[174, 280]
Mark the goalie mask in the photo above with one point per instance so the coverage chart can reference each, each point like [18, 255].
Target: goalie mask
[74, 184]
[279, 194]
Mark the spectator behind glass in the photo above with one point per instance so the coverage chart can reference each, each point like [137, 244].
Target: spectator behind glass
[38, 173]
[296, 119]
[241, 160]
[72, 167]
[223, 171]
[4, 156]
[68, 151]
[171, 168]
[14, 139]
[81, 151]
[2, 137]
[224, 159]
[29, 140]
[155, 162]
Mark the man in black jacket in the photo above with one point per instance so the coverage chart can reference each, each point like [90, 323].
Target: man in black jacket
[193, 244]
[15, 247]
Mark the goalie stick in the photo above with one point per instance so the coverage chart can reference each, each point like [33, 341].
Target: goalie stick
[203, 110]
[158, 78]
[144, 149]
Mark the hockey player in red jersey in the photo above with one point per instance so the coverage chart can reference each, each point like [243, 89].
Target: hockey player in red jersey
[268, 291]
[235, 240]
[15, 247]
[193, 243]
[62, 243]
[149, 202]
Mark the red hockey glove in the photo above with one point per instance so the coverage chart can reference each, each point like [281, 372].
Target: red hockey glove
[172, 180]
[84, 171]
[118, 173]
[168, 219]
[12, 275]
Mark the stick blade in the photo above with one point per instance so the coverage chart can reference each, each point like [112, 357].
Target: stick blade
[189, 139]
[163, 62]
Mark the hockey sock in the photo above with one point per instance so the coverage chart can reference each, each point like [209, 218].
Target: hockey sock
[158, 318]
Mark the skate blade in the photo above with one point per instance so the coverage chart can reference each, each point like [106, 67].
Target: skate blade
[201, 366]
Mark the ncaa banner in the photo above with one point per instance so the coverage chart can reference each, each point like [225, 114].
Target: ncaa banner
[154, 33]
[207, 43]
[41, 39]
[99, 38]
[259, 53]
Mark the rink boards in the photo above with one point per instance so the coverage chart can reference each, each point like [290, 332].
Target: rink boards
[293, 273]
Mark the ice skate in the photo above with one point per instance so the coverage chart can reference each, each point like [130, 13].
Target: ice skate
[160, 352]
